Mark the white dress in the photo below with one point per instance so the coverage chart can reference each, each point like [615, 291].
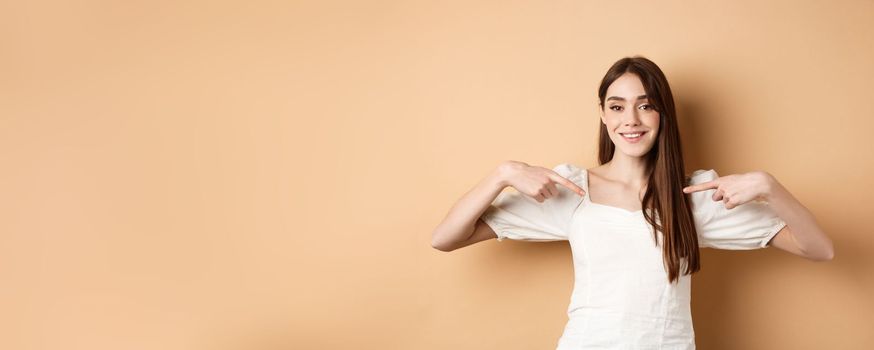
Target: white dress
[621, 297]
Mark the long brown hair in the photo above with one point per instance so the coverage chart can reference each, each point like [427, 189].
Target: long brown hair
[665, 169]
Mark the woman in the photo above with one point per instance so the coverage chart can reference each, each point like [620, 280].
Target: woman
[634, 223]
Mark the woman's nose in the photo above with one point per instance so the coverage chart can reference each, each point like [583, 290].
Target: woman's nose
[631, 119]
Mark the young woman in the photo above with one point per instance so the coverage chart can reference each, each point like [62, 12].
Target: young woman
[636, 221]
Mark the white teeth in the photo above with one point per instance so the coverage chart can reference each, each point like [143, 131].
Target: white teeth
[632, 135]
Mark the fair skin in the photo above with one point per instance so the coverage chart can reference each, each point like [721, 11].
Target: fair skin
[621, 183]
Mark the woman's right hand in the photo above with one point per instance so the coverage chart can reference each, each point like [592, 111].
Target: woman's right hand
[534, 181]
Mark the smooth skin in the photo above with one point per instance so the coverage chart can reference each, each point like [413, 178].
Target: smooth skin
[621, 183]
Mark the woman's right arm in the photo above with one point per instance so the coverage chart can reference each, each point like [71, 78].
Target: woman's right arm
[462, 225]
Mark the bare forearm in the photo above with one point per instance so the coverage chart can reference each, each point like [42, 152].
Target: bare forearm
[459, 223]
[807, 234]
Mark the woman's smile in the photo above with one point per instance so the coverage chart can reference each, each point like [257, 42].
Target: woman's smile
[632, 137]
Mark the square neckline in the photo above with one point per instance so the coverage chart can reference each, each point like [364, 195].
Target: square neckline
[589, 199]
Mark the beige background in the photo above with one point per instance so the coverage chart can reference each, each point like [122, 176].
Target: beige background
[266, 175]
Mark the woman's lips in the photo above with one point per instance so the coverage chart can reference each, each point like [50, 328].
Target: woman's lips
[633, 139]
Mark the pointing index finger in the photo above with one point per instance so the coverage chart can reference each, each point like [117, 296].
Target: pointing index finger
[702, 186]
[567, 183]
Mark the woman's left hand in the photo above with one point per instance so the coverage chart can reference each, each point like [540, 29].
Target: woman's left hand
[738, 189]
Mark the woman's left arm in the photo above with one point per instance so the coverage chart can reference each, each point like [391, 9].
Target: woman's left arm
[801, 236]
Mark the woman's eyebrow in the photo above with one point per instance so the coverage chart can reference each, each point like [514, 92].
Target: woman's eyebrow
[641, 97]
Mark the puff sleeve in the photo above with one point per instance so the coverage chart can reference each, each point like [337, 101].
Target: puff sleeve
[748, 226]
[513, 215]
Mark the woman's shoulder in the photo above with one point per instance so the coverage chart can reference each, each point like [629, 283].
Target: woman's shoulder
[573, 172]
[700, 176]
[701, 201]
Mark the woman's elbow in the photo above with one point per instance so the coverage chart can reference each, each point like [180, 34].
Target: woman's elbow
[830, 255]
[439, 246]
[826, 254]
[439, 243]
[820, 258]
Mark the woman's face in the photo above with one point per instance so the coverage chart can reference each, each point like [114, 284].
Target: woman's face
[627, 111]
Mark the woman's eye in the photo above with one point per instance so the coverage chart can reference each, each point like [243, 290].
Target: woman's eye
[646, 106]
[616, 108]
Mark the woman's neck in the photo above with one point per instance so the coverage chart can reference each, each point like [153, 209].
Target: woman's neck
[628, 170]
